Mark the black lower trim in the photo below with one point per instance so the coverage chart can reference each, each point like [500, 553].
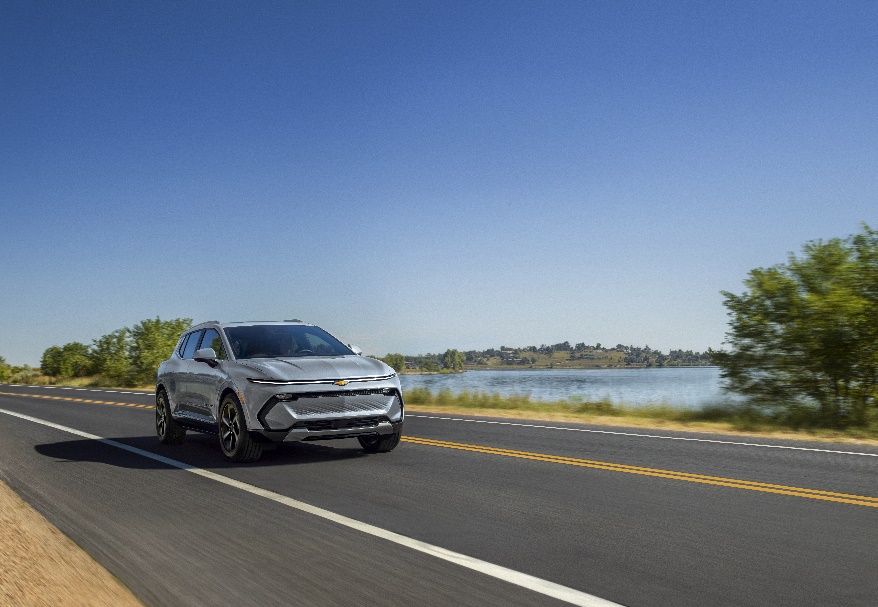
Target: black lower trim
[191, 424]
[268, 437]
[338, 436]
[397, 429]
[319, 425]
[266, 408]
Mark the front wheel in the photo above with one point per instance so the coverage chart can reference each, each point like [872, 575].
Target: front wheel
[235, 440]
[380, 444]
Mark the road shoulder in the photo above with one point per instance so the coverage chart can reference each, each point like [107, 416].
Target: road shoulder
[43, 567]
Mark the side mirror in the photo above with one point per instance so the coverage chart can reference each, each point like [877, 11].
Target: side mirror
[355, 350]
[206, 355]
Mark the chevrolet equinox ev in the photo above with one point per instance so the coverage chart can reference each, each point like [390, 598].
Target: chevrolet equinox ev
[258, 383]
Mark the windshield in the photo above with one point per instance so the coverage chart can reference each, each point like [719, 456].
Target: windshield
[281, 341]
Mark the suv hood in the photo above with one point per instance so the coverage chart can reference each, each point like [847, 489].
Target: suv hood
[309, 368]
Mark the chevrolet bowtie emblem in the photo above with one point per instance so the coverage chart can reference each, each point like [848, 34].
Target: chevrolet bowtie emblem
[341, 382]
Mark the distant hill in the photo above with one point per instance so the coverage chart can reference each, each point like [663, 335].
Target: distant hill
[563, 356]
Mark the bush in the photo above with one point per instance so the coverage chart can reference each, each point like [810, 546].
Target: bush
[23, 375]
[69, 360]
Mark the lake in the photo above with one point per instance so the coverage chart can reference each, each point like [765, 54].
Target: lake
[683, 387]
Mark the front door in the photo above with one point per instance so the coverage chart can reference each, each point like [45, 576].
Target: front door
[208, 378]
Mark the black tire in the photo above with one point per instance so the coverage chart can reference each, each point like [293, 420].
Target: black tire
[379, 443]
[168, 430]
[235, 440]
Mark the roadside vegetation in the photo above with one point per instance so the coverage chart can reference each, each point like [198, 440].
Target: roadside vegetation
[24, 374]
[126, 357]
[803, 336]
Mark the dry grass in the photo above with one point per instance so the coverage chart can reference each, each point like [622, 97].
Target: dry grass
[41, 567]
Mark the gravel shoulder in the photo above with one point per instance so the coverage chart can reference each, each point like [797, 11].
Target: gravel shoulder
[42, 567]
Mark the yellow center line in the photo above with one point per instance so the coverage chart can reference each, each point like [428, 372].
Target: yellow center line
[829, 496]
[79, 400]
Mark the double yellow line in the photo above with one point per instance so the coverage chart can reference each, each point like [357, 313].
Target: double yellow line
[79, 400]
[817, 494]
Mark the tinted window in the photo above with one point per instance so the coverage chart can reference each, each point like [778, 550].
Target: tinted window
[211, 339]
[182, 343]
[278, 341]
[191, 345]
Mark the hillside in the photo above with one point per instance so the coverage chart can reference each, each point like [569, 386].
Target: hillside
[561, 356]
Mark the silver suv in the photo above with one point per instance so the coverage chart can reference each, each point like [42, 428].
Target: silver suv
[257, 383]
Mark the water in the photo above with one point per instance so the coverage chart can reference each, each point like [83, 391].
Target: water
[687, 387]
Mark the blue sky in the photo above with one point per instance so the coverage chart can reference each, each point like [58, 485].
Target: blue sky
[420, 176]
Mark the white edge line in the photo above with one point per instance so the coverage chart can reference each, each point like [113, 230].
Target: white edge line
[541, 586]
[680, 438]
[142, 392]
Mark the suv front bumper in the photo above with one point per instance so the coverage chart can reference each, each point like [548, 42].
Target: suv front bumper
[381, 428]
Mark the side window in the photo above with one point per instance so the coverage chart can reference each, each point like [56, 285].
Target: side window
[191, 344]
[182, 344]
[212, 339]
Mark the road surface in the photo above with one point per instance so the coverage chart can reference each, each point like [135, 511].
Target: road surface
[464, 512]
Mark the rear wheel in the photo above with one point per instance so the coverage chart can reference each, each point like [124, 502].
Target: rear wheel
[168, 430]
[235, 440]
[380, 443]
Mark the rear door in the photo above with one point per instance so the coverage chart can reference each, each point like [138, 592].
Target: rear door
[185, 385]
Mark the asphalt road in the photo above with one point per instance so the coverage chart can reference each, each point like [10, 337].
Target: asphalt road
[630, 518]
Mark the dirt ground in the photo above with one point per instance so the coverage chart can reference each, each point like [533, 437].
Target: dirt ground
[40, 566]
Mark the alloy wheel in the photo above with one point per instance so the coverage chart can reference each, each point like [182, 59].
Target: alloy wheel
[230, 428]
[161, 422]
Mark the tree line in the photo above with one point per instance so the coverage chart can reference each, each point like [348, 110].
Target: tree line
[451, 361]
[454, 360]
[124, 357]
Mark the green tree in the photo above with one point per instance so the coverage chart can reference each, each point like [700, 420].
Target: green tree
[110, 356]
[397, 361]
[452, 360]
[69, 360]
[50, 363]
[152, 342]
[803, 334]
[5, 370]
